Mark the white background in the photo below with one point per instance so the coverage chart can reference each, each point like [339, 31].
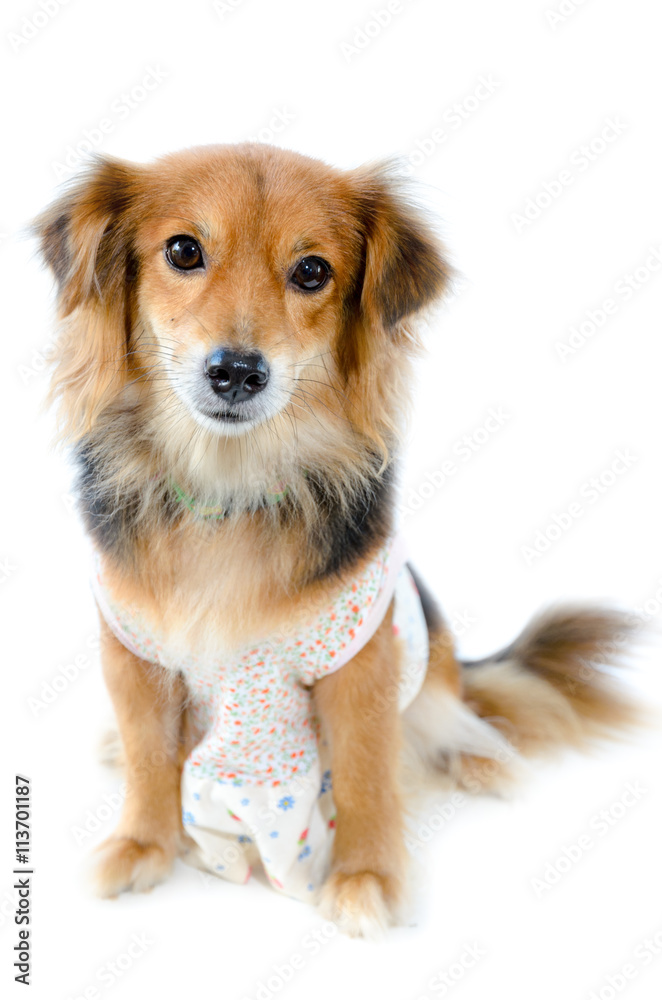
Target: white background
[555, 82]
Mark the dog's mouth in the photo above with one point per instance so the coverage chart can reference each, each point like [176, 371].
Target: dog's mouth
[228, 416]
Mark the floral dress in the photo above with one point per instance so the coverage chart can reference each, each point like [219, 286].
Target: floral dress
[258, 787]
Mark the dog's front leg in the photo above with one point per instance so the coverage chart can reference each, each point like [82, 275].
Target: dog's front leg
[358, 707]
[149, 709]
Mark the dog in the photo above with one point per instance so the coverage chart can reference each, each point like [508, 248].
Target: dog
[237, 326]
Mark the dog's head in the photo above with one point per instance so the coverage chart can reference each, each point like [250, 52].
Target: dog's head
[235, 289]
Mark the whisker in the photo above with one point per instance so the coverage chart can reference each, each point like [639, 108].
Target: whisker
[306, 360]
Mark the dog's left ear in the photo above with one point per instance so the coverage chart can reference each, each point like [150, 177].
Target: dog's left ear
[405, 264]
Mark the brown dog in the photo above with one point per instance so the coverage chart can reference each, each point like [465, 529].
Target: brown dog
[233, 363]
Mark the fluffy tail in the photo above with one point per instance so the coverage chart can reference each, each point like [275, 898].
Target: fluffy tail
[556, 686]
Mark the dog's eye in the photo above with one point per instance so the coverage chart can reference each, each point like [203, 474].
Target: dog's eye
[311, 273]
[184, 253]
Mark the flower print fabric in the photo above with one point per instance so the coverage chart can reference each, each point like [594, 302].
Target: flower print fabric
[258, 787]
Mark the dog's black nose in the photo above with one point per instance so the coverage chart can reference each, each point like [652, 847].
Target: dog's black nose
[236, 376]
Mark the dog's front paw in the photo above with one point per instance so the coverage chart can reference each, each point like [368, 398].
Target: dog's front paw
[125, 865]
[359, 904]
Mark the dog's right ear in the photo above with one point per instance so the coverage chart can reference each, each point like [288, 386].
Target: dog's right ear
[85, 236]
[87, 239]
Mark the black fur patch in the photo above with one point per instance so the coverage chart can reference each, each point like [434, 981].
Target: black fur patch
[348, 532]
[113, 522]
[412, 276]
[503, 654]
[55, 247]
[110, 524]
[433, 617]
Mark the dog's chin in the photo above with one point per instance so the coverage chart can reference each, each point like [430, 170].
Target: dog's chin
[226, 423]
